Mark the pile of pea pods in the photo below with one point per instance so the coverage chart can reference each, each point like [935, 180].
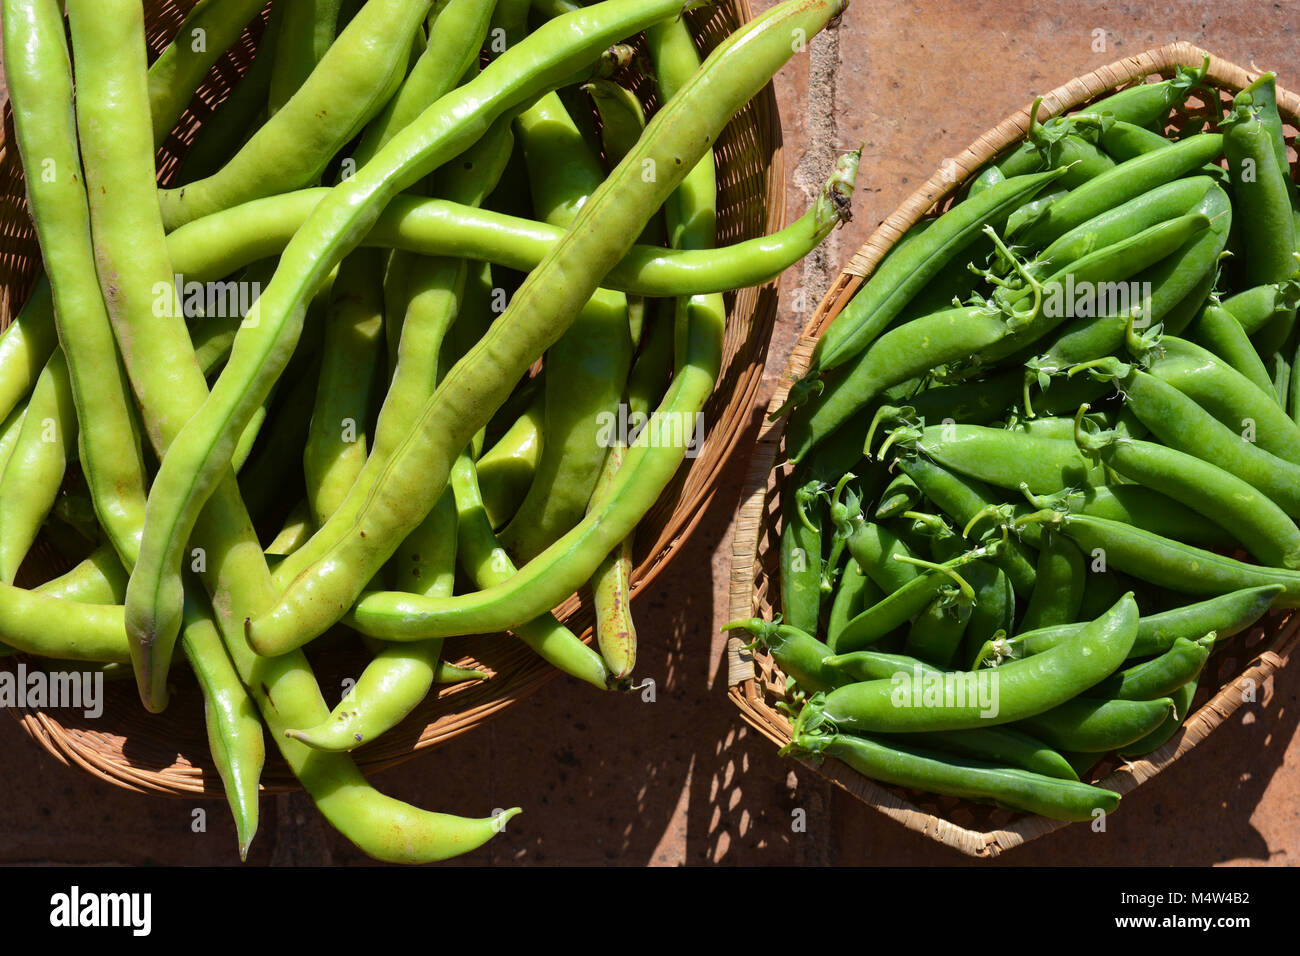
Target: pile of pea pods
[1046, 460]
[469, 252]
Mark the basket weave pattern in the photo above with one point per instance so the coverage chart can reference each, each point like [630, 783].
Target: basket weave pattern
[756, 684]
[168, 753]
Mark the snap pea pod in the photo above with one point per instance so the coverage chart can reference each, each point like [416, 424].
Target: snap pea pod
[1145, 104]
[1261, 193]
[936, 633]
[1006, 460]
[1058, 584]
[1169, 201]
[963, 498]
[355, 77]
[1003, 746]
[1180, 283]
[1182, 424]
[991, 176]
[901, 494]
[1182, 698]
[1172, 564]
[1097, 726]
[1032, 211]
[1092, 284]
[901, 277]
[219, 244]
[535, 317]
[1125, 181]
[902, 765]
[1124, 140]
[1260, 525]
[799, 655]
[854, 593]
[900, 354]
[1225, 615]
[904, 604]
[1227, 394]
[283, 688]
[995, 608]
[873, 547]
[207, 31]
[45, 444]
[970, 699]
[1159, 677]
[1219, 331]
[1257, 306]
[801, 559]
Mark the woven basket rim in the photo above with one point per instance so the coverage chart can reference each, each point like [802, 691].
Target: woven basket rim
[751, 316]
[742, 683]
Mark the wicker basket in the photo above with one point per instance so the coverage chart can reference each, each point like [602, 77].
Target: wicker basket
[168, 753]
[754, 681]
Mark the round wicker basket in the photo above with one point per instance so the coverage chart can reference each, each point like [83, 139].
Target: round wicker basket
[168, 753]
[755, 683]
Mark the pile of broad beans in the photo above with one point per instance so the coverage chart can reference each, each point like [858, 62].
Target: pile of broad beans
[1047, 459]
[469, 251]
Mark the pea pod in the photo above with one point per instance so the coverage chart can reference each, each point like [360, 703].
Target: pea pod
[1225, 615]
[799, 655]
[907, 766]
[1159, 677]
[1003, 746]
[1058, 584]
[1182, 698]
[1261, 526]
[1261, 192]
[1174, 565]
[899, 354]
[901, 277]
[1098, 726]
[1146, 104]
[1127, 180]
[1219, 331]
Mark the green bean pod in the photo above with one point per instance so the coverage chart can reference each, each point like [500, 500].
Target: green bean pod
[355, 77]
[45, 444]
[536, 316]
[207, 31]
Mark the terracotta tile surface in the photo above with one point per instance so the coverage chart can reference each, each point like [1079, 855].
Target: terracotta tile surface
[621, 780]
